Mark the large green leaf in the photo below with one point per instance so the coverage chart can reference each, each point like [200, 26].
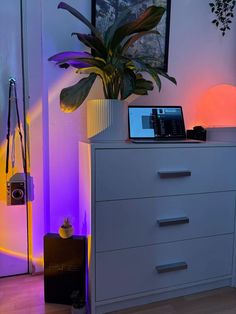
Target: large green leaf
[127, 84]
[94, 43]
[155, 76]
[81, 17]
[73, 96]
[100, 63]
[67, 58]
[140, 92]
[142, 86]
[145, 22]
[134, 38]
[164, 74]
[107, 68]
[143, 67]
[90, 70]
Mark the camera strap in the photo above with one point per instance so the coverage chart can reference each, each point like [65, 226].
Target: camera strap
[12, 100]
[13, 152]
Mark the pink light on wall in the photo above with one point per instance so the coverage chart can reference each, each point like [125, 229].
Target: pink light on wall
[217, 107]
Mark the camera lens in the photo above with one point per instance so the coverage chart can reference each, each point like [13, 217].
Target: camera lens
[17, 194]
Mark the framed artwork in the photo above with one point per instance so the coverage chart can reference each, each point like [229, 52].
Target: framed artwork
[104, 13]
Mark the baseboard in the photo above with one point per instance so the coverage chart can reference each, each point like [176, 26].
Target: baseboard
[159, 295]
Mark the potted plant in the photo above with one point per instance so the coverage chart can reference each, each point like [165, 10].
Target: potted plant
[121, 75]
[223, 12]
[78, 303]
[66, 230]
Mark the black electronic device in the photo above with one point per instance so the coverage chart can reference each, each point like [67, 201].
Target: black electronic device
[64, 268]
[17, 186]
[197, 133]
[15, 193]
[20, 188]
[157, 124]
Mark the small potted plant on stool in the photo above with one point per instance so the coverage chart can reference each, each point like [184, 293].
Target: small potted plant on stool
[66, 230]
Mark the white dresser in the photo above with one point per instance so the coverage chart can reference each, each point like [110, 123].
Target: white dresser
[161, 219]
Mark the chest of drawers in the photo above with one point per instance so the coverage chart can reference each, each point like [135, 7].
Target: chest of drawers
[160, 218]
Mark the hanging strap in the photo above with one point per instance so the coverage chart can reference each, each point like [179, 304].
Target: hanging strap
[8, 127]
[13, 151]
[13, 99]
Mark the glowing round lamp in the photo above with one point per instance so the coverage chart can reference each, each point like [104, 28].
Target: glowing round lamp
[217, 107]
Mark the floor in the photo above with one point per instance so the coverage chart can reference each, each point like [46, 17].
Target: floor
[24, 295]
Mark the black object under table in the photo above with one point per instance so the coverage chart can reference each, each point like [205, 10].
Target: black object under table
[64, 267]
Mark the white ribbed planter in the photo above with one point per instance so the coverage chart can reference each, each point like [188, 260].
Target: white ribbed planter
[107, 120]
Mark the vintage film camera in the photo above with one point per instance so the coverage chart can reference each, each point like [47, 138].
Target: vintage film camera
[16, 189]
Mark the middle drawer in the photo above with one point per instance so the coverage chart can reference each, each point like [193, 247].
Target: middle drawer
[131, 223]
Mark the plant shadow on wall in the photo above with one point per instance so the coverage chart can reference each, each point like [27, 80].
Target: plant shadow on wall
[223, 12]
[121, 75]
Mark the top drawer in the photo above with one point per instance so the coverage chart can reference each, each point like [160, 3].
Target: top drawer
[137, 173]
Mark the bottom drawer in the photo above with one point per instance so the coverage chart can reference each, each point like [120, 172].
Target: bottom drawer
[136, 270]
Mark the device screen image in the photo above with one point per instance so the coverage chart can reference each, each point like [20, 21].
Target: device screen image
[156, 122]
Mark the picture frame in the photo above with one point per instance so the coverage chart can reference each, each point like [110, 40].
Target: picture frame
[154, 48]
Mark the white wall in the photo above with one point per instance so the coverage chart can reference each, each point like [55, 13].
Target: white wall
[199, 58]
[64, 129]
[37, 126]
[13, 245]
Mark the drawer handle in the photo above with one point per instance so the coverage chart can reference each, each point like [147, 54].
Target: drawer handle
[174, 174]
[171, 267]
[173, 221]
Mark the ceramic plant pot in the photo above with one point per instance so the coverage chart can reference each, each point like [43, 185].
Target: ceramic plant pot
[107, 120]
[66, 233]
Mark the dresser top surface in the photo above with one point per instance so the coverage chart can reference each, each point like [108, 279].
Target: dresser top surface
[130, 145]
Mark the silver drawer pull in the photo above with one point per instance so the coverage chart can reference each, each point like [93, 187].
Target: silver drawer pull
[171, 267]
[173, 221]
[174, 174]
